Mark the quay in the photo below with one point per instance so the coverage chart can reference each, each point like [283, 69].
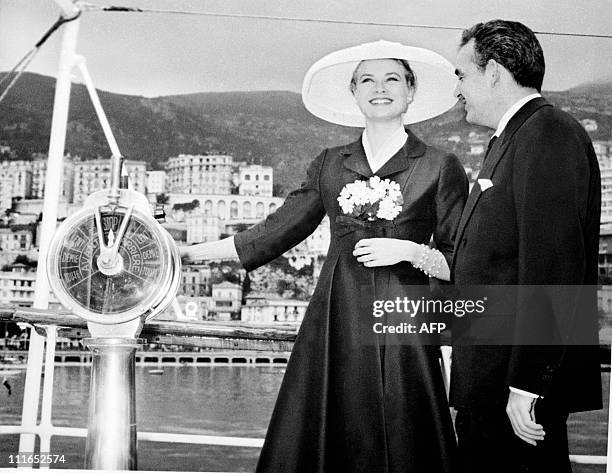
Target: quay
[166, 358]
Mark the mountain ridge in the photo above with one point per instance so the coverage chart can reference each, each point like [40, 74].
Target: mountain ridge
[270, 128]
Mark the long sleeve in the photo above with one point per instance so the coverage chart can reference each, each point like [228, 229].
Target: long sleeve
[290, 224]
[450, 199]
[553, 181]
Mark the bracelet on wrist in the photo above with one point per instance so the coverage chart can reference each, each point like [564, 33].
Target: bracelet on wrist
[429, 261]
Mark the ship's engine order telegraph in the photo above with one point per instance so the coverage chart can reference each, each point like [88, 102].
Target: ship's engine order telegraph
[114, 265]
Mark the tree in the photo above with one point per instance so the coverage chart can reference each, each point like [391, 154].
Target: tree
[162, 198]
[23, 259]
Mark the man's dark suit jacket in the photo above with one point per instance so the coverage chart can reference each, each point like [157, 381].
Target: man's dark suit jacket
[535, 232]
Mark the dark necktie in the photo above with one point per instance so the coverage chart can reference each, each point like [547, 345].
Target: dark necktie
[491, 142]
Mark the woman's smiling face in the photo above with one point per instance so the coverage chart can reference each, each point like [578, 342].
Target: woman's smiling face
[381, 90]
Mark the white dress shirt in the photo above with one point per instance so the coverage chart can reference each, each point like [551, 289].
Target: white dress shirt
[512, 111]
[500, 128]
[389, 148]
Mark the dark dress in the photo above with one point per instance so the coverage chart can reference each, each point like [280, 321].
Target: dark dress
[348, 401]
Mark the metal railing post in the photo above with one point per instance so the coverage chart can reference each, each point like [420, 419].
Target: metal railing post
[111, 434]
[52, 192]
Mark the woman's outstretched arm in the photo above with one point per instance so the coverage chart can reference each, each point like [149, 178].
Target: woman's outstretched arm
[210, 250]
[290, 224]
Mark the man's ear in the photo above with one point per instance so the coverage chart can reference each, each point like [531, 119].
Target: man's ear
[493, 71]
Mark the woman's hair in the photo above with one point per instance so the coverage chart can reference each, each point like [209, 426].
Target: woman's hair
[408, 74]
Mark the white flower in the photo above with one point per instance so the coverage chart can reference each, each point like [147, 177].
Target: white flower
[371, 199]
[387, 209]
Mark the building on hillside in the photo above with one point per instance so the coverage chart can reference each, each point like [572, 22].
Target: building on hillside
[17, 238]
[227, 299]
[6, 192]
[199, 174]
[94, 175]
[603, 150]
[20, 174]
[271, 309]
[255, 179]
[231, 209]
[156, 182]
[17, 287]
[40, 161]
[203, 228]
[195, 280]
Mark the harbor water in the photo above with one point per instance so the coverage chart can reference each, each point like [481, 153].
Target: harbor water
[213, 400]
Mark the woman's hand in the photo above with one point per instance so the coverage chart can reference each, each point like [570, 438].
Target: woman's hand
[383, 251]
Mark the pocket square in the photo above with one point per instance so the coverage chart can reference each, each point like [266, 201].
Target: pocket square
[484, 184]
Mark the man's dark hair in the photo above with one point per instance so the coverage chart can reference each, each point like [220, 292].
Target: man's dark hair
[510, 44]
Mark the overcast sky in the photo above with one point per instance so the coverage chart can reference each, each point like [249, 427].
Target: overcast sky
[159, 54]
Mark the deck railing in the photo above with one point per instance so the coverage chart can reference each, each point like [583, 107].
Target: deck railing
[202, 335]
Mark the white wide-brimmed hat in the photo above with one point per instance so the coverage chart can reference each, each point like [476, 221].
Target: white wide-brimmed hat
[326, 89]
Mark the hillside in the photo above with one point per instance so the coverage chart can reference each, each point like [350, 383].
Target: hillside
[271, 128]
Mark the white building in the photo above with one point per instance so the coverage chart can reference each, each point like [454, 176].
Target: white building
[18, 285]
[603, 149]
[270, 309]
[34, 207]
[156, 182]
[18, 238]
[318, 242]
[6, 192]
[39, 176]
[201, 227]
[199, 174]
[94, 175]
[255, 179]
[232, 209]
[20, 173]
[195, 279]
[227, 299]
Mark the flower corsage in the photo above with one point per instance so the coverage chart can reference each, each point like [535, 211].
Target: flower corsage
[372, 199]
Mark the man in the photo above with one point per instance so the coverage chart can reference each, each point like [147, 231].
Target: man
[529, 233]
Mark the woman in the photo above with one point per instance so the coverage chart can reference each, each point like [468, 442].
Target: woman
[351, 399]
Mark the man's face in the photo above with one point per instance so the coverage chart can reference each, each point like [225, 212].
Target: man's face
[473, 88]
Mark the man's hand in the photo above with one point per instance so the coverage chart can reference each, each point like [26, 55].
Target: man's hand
[521, 415]
[382, 251]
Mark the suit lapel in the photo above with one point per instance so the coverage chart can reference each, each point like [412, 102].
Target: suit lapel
[498, 150]
[404, 159]
[356, 160]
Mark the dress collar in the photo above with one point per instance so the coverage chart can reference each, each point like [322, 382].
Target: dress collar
[394, 143]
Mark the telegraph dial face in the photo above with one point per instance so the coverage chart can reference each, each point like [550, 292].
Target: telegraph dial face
[110, 264]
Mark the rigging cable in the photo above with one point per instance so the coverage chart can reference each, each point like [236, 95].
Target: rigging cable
[113, 8]
[23, 63]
